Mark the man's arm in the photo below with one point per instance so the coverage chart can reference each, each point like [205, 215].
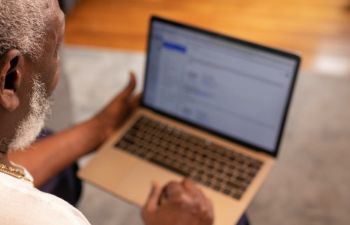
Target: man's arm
[46, 158]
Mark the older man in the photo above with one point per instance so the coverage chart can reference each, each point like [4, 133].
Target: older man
[30, 35]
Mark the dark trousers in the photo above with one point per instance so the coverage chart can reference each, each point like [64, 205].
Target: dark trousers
[65, 185]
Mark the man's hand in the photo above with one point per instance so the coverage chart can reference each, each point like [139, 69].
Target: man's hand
[177, 204]
[59, 151]
[117, 111]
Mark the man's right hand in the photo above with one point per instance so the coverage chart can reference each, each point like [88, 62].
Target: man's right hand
[177, 204]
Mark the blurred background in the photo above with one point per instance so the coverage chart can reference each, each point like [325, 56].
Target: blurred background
[318, 29]
[310, 182]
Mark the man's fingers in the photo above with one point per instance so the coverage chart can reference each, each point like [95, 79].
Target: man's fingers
[194, 190]
[153, 198]
[128, 90]
[176, 194]
[135, 101]
[191, 187]
[196, 194]
[174, 189]
[205, 204]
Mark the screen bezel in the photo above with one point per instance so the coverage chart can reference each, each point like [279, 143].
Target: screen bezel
[237, 41]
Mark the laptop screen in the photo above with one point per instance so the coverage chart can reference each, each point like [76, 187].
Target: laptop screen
[230, 87]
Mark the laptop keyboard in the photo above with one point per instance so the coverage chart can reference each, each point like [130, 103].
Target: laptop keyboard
[212, 165]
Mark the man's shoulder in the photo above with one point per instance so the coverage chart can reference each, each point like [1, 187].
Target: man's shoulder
[24, 204]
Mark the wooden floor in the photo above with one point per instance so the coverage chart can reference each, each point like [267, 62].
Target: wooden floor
[318, 29]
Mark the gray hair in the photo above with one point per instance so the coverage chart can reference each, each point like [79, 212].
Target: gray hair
[22, 26]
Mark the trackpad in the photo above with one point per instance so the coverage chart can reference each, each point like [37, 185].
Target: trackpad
[136, 185]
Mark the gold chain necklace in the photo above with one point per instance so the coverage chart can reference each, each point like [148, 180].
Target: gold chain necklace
[13, 171]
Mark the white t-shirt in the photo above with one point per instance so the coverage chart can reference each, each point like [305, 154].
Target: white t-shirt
[23, 204]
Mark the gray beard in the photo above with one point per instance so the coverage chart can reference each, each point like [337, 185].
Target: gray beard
[31, 125]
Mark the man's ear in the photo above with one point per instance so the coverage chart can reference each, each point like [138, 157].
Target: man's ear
[10, 78]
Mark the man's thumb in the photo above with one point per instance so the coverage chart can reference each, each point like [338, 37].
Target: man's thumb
[153, 198]
[129, 89]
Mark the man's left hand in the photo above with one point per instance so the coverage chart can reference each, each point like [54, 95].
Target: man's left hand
[118, 110]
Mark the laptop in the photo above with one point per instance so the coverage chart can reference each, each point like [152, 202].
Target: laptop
[213, 109]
